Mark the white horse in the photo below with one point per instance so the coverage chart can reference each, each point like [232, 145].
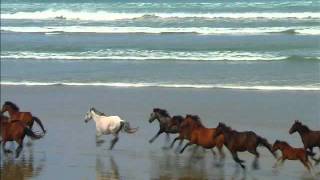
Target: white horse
[108, 125]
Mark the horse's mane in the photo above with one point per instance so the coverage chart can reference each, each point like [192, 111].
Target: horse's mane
[98, 112]
[195, 118]
[12, 105]
[163, 112]
[303, 127]
[178, 118]
[224, 126]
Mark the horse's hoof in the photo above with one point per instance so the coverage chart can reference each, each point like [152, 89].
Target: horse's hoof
[150, 141]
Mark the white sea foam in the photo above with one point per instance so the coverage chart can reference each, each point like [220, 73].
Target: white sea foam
[165, 85]
[110, 16]
[153, 30]
[132, 54]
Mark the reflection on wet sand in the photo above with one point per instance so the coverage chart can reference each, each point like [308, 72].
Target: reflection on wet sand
[174, 166]
[26, 167]
[108, 173]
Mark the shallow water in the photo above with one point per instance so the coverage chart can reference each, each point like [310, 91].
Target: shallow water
[69, 151]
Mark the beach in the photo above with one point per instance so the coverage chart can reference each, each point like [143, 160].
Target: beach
[252, 64]
[69, 151]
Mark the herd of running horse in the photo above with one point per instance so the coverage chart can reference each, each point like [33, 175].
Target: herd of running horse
[190, 127]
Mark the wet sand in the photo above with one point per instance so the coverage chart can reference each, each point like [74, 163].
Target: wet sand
[69, 151]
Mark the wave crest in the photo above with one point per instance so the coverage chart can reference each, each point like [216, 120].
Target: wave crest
[111, 16]
[165, 30]
[133, 54]
[159, 85]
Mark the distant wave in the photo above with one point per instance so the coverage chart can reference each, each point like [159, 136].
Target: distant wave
[164, 85]
[110, 16]
[164, 30]
[133, 54]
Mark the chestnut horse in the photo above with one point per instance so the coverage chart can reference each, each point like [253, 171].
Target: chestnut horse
[15, 130]
[290, 153]
[15, 114]
[193, 130]
[242, 141]
[167, 124]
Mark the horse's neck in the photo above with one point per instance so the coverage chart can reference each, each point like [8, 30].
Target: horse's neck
[13, 113]
[303, 131]
[284, 146]
[95, 117]
[163, 120]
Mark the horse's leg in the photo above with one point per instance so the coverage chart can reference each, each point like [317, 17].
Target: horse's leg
[277, 161]
[188, 144]
[4, 147]
[213, 153]
[236, 158]
[304, 162]
[19, 148]
[255, 163]
[222, 155]
[159, 132]
[114, 141]
[175, 139]
[98, 142]
[167, 137]
[179, 146]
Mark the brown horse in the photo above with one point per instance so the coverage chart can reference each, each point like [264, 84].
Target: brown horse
[242, 141]
[193, 130]
[310, 139]
[15, 114]
[290, 153]
[15, 130]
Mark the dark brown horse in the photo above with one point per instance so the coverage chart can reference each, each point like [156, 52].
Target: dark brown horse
[310, 138]
[167, 124]
[290, 153]
[15, 130]
[242, 141]
[193, 130]
[15, 114]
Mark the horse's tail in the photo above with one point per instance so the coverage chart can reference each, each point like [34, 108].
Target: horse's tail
[36, 119]
[264, 142]
[31, 134]
[125, 126]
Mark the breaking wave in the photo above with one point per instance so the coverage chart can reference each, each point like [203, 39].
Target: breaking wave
[164, 85]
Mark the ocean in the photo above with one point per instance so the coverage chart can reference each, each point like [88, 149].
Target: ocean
[249, 44]
[253, 64]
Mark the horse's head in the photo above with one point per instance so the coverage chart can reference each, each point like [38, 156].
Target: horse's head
[278, 145]
[220, 129]
[9, 106]
[88, 115]
[157, 113]
[295, 127]
[3, 118]
[275, 145]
